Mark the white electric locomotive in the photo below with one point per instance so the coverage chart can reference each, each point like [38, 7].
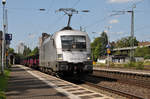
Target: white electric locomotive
[66, 52]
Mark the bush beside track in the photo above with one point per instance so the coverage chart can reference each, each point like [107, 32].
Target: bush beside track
[4, 83]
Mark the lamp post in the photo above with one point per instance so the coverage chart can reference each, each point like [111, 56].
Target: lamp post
[3, 42]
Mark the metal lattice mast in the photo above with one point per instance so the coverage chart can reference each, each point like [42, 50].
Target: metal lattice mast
[132, 30]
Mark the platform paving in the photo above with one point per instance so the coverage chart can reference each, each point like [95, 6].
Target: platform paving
[23, 85]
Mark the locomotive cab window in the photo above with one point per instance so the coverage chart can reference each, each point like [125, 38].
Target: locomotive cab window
[73, 42]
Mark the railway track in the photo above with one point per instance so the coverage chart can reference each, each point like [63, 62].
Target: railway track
[134, 90]
[94, 84]
[118, 92]
[142, 80]
[135, 82]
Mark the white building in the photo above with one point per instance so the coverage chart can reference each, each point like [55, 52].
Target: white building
[21, 47]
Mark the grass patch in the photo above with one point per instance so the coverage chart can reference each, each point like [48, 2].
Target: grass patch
[139, 65]
[135, 65]
[100, 64]
[130, 65]
[4, 83]
[147, 63]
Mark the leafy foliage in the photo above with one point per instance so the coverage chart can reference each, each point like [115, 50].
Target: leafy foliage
[129, 65]
[126, 42]
[2, 95]
[147, 56]
[34, 52]
[139, 65]
[104, 42]
[136, 65]
[97, 50]
[143, 52]
[11, 50]
[26, 51]
[4, 83]
[99, 46]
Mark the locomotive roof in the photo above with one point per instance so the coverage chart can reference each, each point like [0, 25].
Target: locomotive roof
[70, 32]
[67, 28]
[65, 32]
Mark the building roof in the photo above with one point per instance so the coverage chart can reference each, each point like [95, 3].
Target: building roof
[143, 43]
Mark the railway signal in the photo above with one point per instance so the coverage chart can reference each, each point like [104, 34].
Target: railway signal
[8, 37]
[108, 51]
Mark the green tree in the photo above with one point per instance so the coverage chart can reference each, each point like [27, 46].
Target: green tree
[26, 51]
[10, 50]
[34, 52]
[142, 52]
[104, 42]
[126, 42]
[117, 53]
[97, 51]
[94, 44]
[99, 46]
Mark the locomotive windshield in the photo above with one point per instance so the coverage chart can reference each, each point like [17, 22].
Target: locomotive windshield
[73, 42]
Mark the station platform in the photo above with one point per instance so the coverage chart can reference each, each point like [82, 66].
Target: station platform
[127, 71]
[23, 85]
[26, 83]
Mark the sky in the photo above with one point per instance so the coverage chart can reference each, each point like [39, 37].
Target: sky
[26, 22]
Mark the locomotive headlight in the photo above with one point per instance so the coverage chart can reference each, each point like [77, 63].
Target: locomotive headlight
[88, 56]
[59, 56]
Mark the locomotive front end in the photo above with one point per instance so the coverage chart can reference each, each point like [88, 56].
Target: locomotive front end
[74, 56]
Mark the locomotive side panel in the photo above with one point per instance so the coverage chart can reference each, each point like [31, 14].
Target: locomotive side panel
[48, 54]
